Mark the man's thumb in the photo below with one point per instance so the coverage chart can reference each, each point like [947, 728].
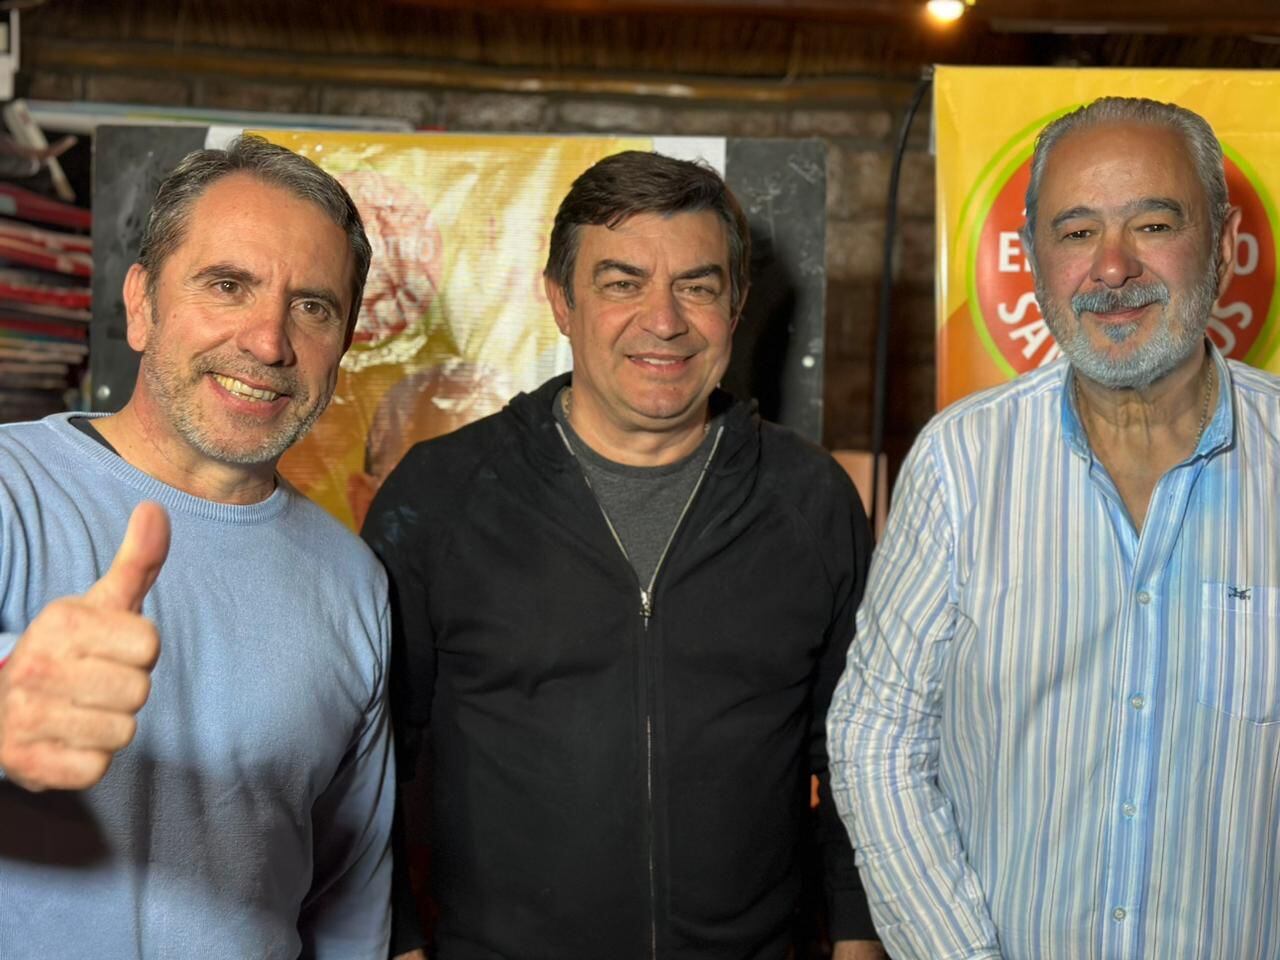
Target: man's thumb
[137, 563]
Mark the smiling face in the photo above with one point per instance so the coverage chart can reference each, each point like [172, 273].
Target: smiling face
[651, 327]
[242, 331]
[1127, 264]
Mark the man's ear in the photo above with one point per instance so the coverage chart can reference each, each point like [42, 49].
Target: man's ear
[559, 303]
[137, 308]
[1227, 248]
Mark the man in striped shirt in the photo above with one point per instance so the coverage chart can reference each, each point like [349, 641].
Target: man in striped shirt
[1058, 733]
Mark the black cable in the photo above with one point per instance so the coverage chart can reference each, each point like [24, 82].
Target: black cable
[881, 388]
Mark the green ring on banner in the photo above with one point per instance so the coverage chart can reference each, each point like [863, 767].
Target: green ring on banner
[1032, 128]
[971, 284]
[1265, 346]
[971, 274]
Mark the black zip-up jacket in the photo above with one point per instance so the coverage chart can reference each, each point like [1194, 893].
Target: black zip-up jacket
[608, 786]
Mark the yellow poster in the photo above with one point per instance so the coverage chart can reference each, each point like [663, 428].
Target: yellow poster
[454, 320]
[985, 123]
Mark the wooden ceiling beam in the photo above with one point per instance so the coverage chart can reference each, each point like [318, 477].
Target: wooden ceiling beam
[1168, 26]
[846, 10]
[160, 61]
[1240, 18]
[1150, 11]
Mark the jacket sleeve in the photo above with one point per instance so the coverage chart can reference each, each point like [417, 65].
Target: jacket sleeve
[347, 914]
[393, 529]
[848, 915]
[883, 733]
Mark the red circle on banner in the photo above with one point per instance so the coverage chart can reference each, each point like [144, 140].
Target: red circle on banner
[1005, 292]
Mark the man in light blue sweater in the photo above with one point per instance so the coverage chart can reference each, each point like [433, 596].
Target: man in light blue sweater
[193, 739]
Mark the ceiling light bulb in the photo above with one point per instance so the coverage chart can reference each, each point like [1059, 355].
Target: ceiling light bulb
[945, 11]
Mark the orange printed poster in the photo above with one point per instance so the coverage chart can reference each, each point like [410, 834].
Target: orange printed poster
[454, 320]
[985, 122]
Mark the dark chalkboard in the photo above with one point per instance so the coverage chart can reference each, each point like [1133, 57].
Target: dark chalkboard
[128, 165]
[782, 186]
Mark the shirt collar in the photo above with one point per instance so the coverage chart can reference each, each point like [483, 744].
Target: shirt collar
[1072, 429]
[1222, 424]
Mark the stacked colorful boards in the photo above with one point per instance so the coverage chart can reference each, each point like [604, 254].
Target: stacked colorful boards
[46, 261]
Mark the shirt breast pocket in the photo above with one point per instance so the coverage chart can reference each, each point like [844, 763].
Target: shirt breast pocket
[1239, 669]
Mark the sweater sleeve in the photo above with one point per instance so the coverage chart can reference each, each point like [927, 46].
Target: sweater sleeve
[347, 914]
[10, 632]
[884, 723]
[849, 917]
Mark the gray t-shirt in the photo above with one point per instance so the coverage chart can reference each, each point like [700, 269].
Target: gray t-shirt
[643, 504]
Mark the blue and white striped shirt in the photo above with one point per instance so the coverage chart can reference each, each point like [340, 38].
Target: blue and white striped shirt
[1057, 738]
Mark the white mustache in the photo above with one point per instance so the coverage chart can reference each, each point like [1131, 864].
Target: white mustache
[1128, 297]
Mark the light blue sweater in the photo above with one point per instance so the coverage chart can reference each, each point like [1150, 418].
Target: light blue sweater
[250, 816]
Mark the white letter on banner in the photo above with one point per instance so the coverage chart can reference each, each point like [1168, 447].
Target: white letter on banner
[1009, 252]
[1025, 303]
[1246, 255]
[1226, 333]
[1227, 311]
[1034, 333]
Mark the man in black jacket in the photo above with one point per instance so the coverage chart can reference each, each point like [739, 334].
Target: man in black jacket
[621, 606]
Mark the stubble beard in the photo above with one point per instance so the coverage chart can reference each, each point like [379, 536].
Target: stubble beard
[175, 386]
[1179, 332]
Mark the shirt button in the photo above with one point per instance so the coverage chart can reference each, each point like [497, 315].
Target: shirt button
[1129, 810]
[1137, 701]
[1143, 597]
[1119, 913]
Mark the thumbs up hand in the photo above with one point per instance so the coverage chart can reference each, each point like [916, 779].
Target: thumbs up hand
[77, 677]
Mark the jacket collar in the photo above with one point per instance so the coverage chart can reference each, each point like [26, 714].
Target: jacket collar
[739, 447]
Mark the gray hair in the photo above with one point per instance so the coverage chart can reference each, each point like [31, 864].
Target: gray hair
[635, 182]
[1202, 145]
[167, 223]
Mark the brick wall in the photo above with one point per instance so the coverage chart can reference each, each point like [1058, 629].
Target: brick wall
[859, 136]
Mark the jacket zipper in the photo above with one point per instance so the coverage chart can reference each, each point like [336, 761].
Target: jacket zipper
[646, 612]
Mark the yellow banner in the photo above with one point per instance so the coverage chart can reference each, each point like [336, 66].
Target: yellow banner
[985, 123]
[454, 319]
